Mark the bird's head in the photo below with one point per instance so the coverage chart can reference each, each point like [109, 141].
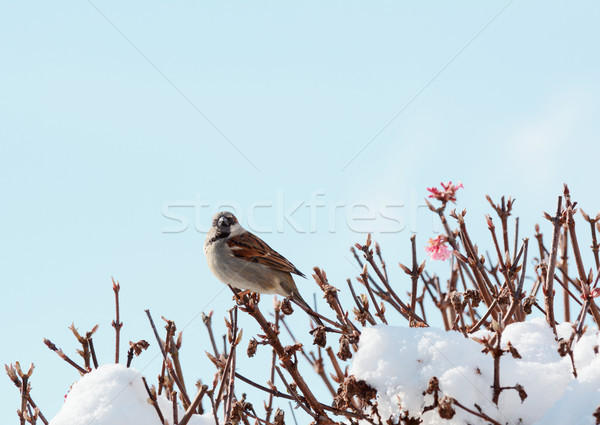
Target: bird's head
[223, 222]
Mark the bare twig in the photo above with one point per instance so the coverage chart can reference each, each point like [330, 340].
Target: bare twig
[516, 301]
[116, 323]
[269, 405]
[25, 387]
[174, 406]
[404, 309]
[152, 400]
[305, 405]
[365, 281]
[364, 312]
[249, 304]
[595, 246]
[172, 347]
[484, 317]
[480, 415]
[549, 287]
[207, 320]
[93, 351]
[194, 406]
[564, 268]
[570, 211]
[336, 366]
[184, 396]
[234, 340]
[63, 356]
[12, 373]
[414, 273]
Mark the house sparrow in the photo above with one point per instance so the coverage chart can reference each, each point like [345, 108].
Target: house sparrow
[244, 261]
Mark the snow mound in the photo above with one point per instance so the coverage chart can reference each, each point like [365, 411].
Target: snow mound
[115, 395]
[400, 361]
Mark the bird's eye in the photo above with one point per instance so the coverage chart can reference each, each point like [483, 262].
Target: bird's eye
[224, 222]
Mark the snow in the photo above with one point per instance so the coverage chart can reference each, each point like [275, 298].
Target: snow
[115, 395]
[400, 361]
[582, 395]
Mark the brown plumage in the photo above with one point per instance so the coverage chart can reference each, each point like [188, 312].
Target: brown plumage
[244, 261]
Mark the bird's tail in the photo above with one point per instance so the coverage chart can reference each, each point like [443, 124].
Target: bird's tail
[297, 298]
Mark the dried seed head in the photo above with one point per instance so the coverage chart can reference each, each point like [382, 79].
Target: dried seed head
[344, 352]
[319, 336]
[433, 386]
[474, 296]
[286, 307]
[456, 300]
[512, 350]
[504, 297]
[445, 408]
[528, 304]
[521, 391]
[563, 347]
[252, 345]
[291, 349]
[352, 390]
[138, 347]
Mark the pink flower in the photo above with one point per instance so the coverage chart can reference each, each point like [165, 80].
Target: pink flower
[447, 194]
[437, 248]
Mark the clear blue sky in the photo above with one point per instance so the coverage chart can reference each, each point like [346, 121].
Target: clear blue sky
[113, 115]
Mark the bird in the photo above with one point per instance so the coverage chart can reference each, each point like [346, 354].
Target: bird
[244, 261]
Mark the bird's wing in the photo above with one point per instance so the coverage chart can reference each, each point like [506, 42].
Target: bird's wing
[251, 248]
